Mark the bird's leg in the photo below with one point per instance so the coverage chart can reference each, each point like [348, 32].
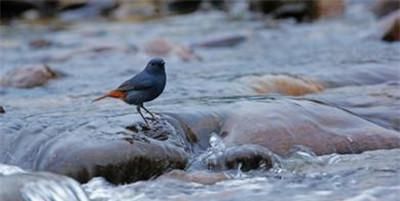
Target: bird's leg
[138, 110]
[152, 115]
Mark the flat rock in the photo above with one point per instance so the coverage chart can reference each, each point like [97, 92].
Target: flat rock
[282, 84]
[28, 77]
[281, 125]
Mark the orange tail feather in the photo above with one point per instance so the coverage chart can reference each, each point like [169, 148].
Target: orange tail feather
[112, 94]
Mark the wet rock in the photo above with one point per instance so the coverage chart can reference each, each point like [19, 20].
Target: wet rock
[244, 157]
[118, 155]
[158, 47]
[163, 47]
[201, 177]
[322, 128]
[282, 84]
[140, 10]
[389, 26]
[28, 77]
[377, 103]
[327, 9]
[13, 8]
[2, 111]
[221, 41]
[183, 7]
[88, 9]
[47, 186]
[40, 43]
[384, 7]
[301, 10]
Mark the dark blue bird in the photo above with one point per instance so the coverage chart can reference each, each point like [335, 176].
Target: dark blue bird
[143, 87]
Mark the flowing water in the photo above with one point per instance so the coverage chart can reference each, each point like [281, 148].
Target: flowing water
[323, 49]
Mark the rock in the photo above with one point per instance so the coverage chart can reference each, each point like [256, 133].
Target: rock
[389, 27]
[162, 47]
[327, 9]
[28, 77]
[2, 111]
[183, 7]
[322, 128]
[14, 8]
[246, 157]
[158, 47]
[40, 43]
[221, 41]
[118, 155]
[201, 177]
[382, 8]
[140, 10]
[88, 9]
[301, 10]
[47, 186]
[282, 84]
[377, 103]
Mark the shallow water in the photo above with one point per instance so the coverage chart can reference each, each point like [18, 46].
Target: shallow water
[324, 50]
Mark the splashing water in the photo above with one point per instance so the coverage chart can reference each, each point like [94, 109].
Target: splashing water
[49, 190]
[9, 170]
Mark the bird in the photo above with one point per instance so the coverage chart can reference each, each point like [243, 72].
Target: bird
[142, 87]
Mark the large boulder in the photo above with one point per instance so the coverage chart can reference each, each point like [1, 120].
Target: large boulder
[281, 125]
[117, 154]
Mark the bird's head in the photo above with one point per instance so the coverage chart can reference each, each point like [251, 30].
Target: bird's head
[155, 65]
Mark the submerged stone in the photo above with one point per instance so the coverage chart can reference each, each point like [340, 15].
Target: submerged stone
[282, 84]
[390, 27]
[301, 10]
[28, 77]
[162, 47]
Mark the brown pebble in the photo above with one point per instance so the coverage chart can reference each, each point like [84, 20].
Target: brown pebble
[40, 43]
[28, 77]
[391, 27]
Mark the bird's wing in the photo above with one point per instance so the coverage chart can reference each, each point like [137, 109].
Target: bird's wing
[135, 84]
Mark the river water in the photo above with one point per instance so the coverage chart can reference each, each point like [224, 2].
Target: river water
[321, 50]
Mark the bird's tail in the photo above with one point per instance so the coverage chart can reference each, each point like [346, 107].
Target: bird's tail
[112, 94]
